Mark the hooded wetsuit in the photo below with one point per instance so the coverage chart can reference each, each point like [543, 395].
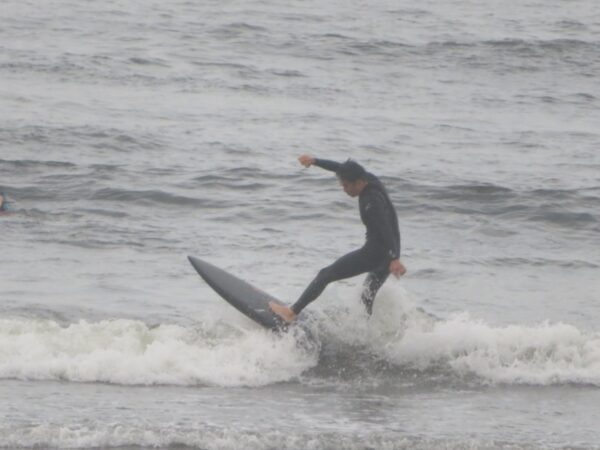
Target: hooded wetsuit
[382, 245]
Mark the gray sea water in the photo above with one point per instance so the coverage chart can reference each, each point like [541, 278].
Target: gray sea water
[133, 134]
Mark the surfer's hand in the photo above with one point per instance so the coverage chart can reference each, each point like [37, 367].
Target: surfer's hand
[397, 268]
[306, 160]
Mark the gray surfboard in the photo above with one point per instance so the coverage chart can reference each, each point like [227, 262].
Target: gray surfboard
[247, 299]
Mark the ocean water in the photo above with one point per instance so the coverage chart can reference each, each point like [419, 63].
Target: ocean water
[133, 134]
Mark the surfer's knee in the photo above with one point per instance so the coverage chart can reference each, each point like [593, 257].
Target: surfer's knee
[325, 275]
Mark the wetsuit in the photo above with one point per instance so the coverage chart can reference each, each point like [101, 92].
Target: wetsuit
[382, 245]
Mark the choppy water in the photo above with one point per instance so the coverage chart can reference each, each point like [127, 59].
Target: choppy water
[135, 133]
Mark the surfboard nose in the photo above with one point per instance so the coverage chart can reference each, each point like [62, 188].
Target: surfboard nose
[249, 300]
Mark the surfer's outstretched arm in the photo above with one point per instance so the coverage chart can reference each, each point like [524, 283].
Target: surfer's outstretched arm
[308, 160]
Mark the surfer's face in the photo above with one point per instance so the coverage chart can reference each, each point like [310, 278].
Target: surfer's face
[353, 188]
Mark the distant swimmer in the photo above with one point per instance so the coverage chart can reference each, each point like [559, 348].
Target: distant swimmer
[379, 256]
[2, 202]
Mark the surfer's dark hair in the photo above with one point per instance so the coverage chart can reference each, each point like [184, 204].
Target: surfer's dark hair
[351, 171]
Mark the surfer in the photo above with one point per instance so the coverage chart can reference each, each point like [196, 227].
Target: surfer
[379, 256]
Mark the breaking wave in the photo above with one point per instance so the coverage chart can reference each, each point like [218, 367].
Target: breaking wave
[344, 347]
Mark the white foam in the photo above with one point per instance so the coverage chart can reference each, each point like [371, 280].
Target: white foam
[117, 435]
[129, 352]
[541, 354]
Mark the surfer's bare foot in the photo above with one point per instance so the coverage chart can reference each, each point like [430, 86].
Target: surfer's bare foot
[282, 311]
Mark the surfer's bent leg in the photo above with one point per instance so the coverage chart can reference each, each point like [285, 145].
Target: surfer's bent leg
[372, 284]
[349, 265]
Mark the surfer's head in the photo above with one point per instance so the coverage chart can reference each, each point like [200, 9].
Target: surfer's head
[352, 176]
[2, 202]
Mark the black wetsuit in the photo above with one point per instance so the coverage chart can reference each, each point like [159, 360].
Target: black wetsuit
[382, 245]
